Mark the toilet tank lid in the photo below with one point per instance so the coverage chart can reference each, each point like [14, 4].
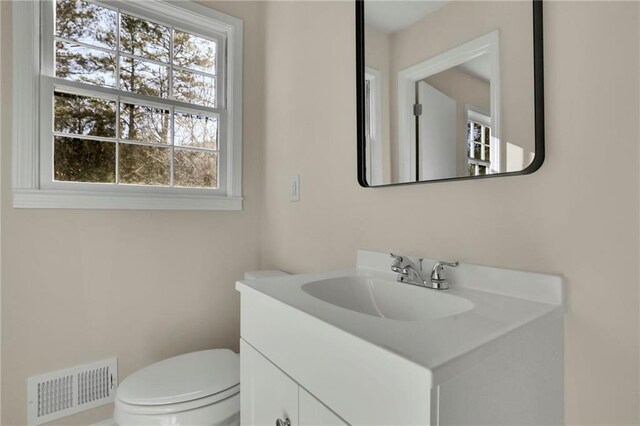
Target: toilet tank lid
[182, 378]
[255, 275]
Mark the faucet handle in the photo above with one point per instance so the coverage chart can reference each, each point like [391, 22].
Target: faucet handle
[397, 264]
[437, 271]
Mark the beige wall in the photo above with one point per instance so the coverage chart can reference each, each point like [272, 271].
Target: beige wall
[83, 285]
[79, 286]
[566, 218]
[466, 90]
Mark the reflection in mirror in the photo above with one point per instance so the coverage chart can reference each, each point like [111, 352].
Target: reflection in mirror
[448, 90]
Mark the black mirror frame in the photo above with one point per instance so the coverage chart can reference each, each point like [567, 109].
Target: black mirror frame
[538, 65]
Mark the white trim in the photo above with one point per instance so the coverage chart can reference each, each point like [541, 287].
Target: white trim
[59, 199]
[486, 44]
[234, 104]
[29, 121]
[26, 66]
[478, 115]
[374, 151]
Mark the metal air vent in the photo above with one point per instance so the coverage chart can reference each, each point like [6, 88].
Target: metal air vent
[61, 393]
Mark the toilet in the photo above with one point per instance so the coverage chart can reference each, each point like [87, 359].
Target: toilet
[196, 389]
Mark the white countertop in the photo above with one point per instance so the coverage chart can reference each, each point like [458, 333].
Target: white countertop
[447, 345]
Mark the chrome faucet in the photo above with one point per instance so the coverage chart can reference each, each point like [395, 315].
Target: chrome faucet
[411, 273]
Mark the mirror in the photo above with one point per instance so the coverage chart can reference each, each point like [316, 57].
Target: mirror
[448, 89]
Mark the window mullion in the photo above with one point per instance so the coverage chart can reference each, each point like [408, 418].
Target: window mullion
[87, 137]
[118, 141]
[86, 89]
[482, 142]
[171, 139]
[171, 62]
[118, 50]
[143, 59]
[223, 67]
[173, 117]
[85, 45]
[198, 72]
[118, 102]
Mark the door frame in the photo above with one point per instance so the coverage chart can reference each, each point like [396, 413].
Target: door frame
[407, 78]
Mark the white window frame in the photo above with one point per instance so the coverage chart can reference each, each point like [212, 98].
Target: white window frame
[33, 91]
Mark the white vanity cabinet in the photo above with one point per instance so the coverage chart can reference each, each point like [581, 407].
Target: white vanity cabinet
[314, 413]
[269, 395]
[463, 356]
[282, 348]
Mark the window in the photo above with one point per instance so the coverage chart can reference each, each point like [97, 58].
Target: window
[481, 149]
[139, 106]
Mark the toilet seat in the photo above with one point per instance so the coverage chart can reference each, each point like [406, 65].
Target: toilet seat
[181, 383]
[219, 397]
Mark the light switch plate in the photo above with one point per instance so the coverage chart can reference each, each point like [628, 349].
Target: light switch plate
[294, 188]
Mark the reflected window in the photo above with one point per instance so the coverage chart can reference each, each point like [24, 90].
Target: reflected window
[373, 125]
[481, 149]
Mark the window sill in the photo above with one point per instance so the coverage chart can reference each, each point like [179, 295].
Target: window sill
[57, 199]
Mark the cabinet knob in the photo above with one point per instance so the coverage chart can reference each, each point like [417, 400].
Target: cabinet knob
[285, 422]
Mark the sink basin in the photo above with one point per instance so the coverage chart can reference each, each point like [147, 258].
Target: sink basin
[387, 299]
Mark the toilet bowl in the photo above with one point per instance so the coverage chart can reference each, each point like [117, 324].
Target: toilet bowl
[195, 389]
[198, 388]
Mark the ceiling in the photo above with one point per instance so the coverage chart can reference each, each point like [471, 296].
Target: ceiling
[479, 67]
[390, 16]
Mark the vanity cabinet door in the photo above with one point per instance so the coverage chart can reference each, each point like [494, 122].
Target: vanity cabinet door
[266, 393]
[314, 413]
